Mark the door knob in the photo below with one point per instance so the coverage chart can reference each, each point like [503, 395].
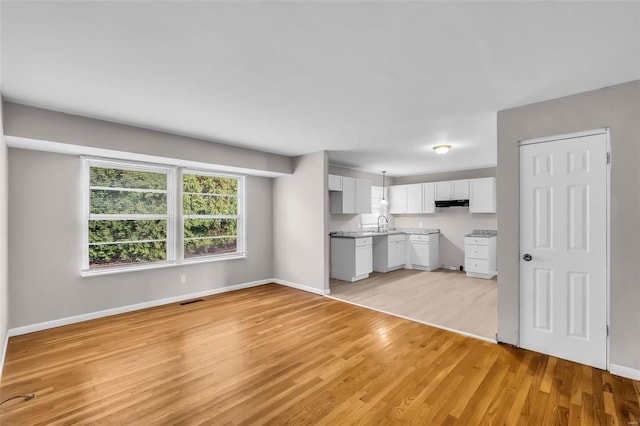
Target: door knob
[526, 257]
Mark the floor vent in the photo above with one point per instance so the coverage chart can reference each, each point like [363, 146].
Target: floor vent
[188, 302]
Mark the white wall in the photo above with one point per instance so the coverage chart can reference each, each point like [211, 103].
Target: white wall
[45, 234]
[453, 222]
[616, 107]
[300, 205]
[4, 263]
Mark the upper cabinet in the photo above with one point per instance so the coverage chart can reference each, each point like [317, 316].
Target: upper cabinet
[349, 195]
[417, 198]
[482, 196]
[452, 190]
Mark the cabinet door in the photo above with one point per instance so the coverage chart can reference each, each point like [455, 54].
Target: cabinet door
[348, 195]
[428, 198]
[363, 196]
[335, 183]
[397, 199]
[364, 262]
[482, 195]
[420, 253]
[414, 198]
[460, 189]
[443, 191]
[397, 253]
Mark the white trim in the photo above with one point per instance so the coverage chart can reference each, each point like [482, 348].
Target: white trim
[453, 330]
[129, 308]
[565, 136]
[322, 292]
[150, 304]
[72, 149]
[621, 370]
[3, 353]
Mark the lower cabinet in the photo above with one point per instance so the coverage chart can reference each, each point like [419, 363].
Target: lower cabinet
[389, 252]
[480, 257]
[351, 258]
[424, 252]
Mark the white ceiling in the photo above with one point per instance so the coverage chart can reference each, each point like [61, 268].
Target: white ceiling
[375, 83]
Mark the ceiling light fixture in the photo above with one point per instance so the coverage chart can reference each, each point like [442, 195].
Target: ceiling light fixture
[383, 202]
[442, 149]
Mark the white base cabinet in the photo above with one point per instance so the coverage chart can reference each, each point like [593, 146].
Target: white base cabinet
[351, 258]
[424, 252]
[480, 257]
[389, 252]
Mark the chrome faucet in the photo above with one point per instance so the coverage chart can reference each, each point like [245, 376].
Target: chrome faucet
[386, 222]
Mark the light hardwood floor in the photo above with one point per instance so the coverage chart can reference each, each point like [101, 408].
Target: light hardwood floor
[445, 298]
[275, 355]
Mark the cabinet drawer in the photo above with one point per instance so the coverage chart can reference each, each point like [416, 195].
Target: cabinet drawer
[367, 241]
[476, 241]
[419, 237]
[476, 252]
[476, 265]
[396, 237]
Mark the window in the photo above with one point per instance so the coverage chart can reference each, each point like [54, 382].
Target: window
[210, 209]
[370, 220]
[131, 216]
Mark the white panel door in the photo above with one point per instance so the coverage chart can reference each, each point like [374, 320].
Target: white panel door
[348, 195]
[460, 189]
[428, 197]
[364, 262]
[563, 248]
[398, 199]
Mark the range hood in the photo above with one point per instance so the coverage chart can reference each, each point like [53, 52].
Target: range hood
[452, 203]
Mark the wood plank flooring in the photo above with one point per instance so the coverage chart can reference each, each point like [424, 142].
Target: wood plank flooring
[275, 355]
[445, 298]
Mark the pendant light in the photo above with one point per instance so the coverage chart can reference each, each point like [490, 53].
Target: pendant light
[383, 203]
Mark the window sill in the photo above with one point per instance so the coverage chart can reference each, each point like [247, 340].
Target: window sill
[159, 265]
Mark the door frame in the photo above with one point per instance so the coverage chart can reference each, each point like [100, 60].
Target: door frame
[547, 139]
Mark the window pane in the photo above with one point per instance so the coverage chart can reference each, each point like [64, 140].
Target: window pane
[126, 202]
[194, 248]
[209, 184]
[118, 178]
[195, 228]
[102, 231]
[126, 254]
[206, 204]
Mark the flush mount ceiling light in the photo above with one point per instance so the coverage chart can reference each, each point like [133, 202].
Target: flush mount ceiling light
[442, 149]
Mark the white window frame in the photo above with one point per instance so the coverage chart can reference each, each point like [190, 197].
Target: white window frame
[240, 218]
[174, 216]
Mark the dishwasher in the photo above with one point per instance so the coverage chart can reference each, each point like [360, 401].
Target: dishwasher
[424, 251]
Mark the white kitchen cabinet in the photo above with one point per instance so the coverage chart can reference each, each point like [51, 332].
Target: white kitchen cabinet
[482, 195]
[354, 198]
[363, 196]
[480, 257]
[414, 198]
[428, 197]
[397, 199]
[389, 252]
[335, 183]
[351, 258]
[424, 251]
[452, 190]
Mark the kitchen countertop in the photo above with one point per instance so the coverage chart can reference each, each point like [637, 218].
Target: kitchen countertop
[363, 234]
[482, 233]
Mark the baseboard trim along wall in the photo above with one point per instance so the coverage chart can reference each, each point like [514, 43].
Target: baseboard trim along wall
[150, 304]
[620, 370]
[5, 344]
[322, 292]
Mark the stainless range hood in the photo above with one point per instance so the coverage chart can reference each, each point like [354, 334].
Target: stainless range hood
[452, 203]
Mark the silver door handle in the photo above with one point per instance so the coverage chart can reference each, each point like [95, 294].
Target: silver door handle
[527, 257]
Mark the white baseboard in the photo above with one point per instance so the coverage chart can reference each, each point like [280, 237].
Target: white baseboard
[453, 330]
[5, 344]
[114, 311]
[314, 290]
[135, 307]
[620, 370]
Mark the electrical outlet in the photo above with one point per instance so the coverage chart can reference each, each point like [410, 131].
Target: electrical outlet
[183, 279]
